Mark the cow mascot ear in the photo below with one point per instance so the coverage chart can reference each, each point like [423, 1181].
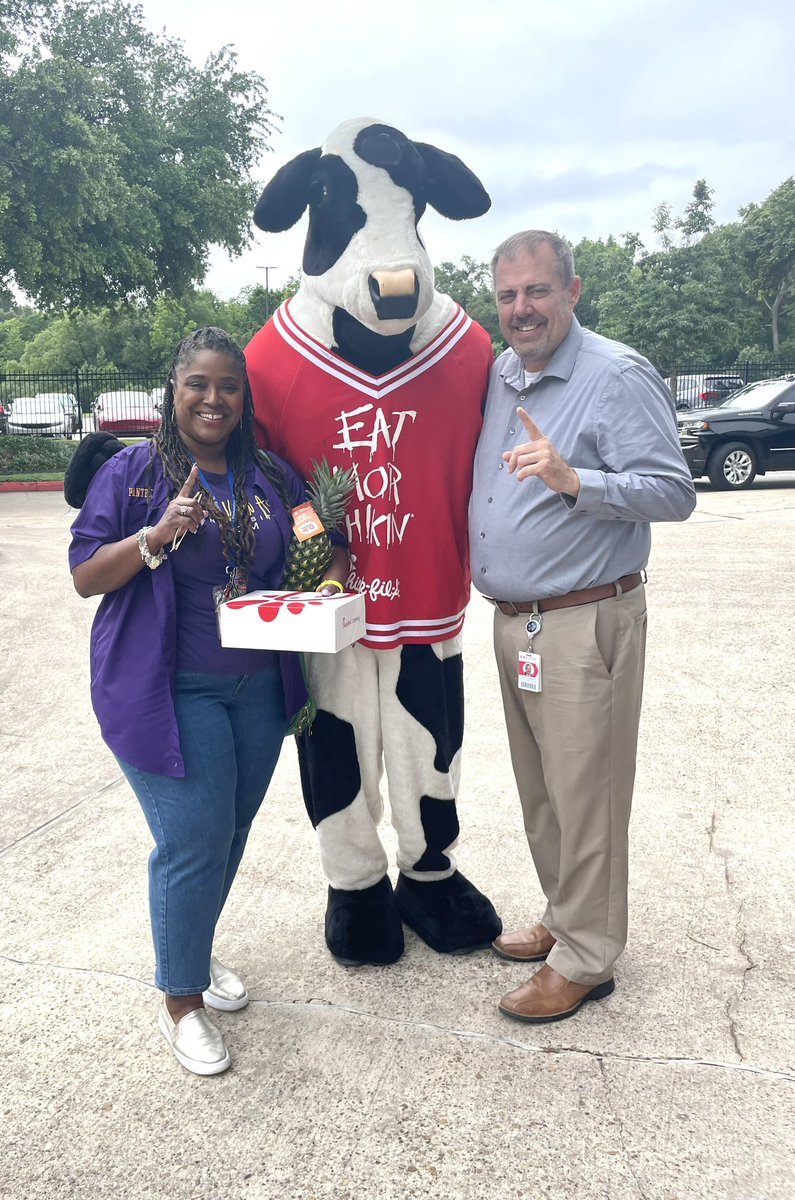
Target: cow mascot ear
[287, 195]
[93, 451]
[450, 187]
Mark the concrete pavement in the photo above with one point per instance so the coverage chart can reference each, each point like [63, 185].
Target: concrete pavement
[403, 1082]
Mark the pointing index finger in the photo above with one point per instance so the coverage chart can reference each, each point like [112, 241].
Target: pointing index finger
[533, 432]
[190, 482]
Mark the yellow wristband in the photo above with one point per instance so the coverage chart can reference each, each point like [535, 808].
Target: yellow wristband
[329, 583]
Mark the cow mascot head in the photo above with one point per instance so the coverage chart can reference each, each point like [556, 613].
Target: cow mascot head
[371, 368]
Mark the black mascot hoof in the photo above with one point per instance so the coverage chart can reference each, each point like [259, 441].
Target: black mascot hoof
[94, 450]
[451, 915]
[364, 927]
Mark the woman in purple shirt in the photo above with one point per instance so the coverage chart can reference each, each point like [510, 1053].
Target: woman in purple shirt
[166, 529]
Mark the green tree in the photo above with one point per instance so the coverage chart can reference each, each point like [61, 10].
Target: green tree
[469, 284]
[697, 220]
[120, 162]
[768, 243]
[602, 267]
[668, 313]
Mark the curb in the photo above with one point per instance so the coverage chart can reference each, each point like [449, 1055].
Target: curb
[32, 485]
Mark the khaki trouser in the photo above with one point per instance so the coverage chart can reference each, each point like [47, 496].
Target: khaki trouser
[573, 749]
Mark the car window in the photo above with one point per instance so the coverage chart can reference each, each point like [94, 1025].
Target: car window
[724, 382]
[29, 406]
[757, 395]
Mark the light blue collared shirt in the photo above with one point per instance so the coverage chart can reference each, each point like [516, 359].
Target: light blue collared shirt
[610, 416]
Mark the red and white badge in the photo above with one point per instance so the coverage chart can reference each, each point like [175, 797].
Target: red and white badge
[529, 671]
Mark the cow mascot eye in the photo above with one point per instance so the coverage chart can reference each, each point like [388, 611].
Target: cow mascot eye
[318, 193]
[371, 368]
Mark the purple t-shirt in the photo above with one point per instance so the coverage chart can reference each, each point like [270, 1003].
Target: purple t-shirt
[134, 635]
[199, 566]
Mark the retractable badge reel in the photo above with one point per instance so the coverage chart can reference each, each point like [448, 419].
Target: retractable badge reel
[529, 664]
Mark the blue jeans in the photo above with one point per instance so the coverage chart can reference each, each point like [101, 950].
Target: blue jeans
[231, 729]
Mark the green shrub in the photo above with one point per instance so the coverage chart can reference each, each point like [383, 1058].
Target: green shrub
[27, 455]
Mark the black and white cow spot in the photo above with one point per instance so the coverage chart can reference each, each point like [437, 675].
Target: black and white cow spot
[432, 691]
[330, 775]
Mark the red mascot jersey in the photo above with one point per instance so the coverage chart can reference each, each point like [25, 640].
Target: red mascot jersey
[410, 437]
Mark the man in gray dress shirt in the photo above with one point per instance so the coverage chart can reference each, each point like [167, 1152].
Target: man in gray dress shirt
[579, 453]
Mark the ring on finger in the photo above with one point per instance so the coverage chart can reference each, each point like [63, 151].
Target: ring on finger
[184, 510]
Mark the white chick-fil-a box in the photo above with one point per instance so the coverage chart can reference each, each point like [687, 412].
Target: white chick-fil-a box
[291, 621]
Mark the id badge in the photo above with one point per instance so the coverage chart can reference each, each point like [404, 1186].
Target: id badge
[529, 671]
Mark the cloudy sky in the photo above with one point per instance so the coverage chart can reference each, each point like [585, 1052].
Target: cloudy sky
[577, 115]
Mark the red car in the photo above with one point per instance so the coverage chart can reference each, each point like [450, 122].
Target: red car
[127, 414]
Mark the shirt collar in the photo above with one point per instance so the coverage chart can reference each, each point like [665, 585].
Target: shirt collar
[560, 366]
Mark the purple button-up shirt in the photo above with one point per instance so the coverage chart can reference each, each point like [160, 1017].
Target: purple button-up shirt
[134, 635]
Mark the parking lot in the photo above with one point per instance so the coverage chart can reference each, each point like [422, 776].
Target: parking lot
[405, 1081]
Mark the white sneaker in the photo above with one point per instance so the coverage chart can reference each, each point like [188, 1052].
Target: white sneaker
[227, 990]
[197, 1043]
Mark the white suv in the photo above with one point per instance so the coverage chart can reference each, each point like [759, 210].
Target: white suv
[704, 391]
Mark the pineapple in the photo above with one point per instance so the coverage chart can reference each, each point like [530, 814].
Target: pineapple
[307, 561]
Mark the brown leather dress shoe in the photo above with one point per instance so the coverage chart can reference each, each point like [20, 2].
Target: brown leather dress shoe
[524, 945]
[549, 996]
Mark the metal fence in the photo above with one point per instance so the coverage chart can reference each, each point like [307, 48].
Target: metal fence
[72, 403]
[703, 385]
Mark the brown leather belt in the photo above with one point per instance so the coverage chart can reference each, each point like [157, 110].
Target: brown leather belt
[584, 596]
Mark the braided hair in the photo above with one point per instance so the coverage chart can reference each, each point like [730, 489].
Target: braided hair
[237, 538]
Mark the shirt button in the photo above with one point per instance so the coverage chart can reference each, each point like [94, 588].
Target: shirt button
[483, 570]
[482, 535]
[512, 431]
[490, 499]
[500, 466]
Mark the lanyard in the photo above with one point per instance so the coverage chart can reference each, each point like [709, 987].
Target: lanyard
[230, 480]
[236, 583]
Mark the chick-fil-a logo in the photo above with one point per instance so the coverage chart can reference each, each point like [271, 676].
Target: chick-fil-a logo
[269, 607]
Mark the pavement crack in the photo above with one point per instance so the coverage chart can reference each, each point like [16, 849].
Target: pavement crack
[662, 1060]
[50, 966]
[529, 1048]
[60, 816]
[733, 1002]
[708, 945]
[621, 1131]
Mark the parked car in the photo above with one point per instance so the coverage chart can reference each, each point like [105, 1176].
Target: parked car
[3, 419]
[750, 434]
[704, 391]
[70, 404]
[46, 415]
[126, 413]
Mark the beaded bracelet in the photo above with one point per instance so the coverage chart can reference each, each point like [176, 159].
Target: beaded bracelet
[152, 561]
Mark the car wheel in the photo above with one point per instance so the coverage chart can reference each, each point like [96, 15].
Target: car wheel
[732, 466]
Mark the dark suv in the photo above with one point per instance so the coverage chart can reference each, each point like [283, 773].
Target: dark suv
[752, 433]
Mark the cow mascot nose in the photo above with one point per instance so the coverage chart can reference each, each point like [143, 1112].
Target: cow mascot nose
[371, 368]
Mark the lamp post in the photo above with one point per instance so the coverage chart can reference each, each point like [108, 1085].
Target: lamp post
[267, 293]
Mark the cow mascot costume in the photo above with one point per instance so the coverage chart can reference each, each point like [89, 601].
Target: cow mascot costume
[369, 367]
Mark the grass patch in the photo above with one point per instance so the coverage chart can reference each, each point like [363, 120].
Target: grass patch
[36, 477]
[25, 458]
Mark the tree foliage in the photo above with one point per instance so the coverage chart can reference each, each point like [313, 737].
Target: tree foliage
[126, 337]
[120, 162]
[711, 298]
[768, 246]
[469, 284]
[602, 267]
